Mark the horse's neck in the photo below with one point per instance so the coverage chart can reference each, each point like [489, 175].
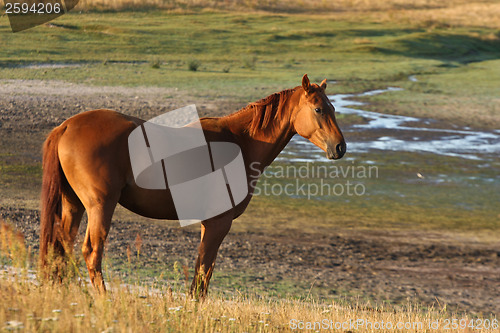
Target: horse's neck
[262, 148]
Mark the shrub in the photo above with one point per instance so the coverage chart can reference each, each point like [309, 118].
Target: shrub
[193, 65]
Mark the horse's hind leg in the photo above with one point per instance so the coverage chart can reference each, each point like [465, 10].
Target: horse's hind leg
[99, 222]
[71, 215]
[72, 212]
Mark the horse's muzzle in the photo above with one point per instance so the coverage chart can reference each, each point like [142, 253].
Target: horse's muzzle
[336, 152]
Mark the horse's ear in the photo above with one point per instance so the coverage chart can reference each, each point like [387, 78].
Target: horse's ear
[323, 84]
[306, 84]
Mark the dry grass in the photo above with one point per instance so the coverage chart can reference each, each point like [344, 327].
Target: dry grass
[74, 308]
[478, 14]
[484, 13]
[34, 305]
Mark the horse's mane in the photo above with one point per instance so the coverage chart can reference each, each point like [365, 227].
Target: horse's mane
[265, 109]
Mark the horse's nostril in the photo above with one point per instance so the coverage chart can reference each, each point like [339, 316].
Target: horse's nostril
[340, 149]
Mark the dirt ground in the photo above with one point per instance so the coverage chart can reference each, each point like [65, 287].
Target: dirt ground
[30, 109]
[395, 266]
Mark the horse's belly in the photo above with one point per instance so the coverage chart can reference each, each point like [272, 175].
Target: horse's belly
[156, 204]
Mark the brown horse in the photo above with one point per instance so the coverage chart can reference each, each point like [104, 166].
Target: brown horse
[86, 166]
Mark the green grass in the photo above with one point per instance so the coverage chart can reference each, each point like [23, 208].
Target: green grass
[224, 281]
[465, 95]
[20, 175]
[264, 52]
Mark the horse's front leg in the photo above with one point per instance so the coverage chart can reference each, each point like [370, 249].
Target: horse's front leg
[213, 232]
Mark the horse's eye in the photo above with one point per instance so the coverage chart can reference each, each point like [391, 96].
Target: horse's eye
[318, 110]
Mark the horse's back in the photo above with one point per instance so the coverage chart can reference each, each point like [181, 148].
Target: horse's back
[106, 122]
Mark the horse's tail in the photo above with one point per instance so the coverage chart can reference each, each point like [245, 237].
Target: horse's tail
[51, 198]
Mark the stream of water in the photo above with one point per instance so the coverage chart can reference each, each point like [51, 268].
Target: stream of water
[397, 133]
